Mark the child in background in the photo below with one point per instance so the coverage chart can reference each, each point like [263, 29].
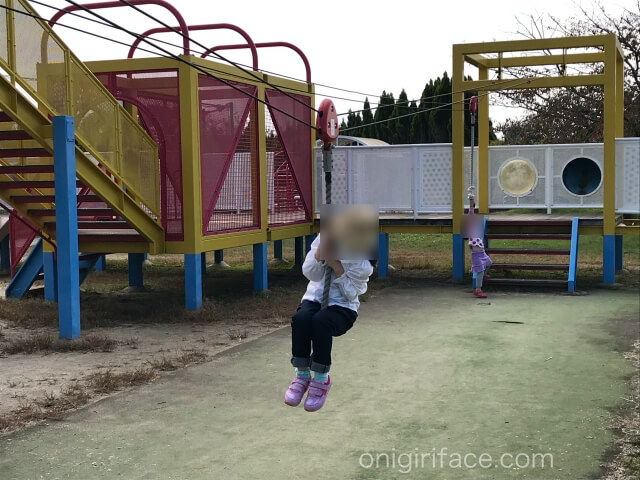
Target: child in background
[480, 263]
[312, 327]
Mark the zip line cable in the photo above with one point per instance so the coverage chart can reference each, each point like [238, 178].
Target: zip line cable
[146, 50]
[157, 40]
[423, 111]
[193, 65]
[230, 62]
[203, 70]
[168, 55]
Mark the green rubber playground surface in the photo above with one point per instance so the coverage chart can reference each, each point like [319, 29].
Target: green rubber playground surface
[428, 383]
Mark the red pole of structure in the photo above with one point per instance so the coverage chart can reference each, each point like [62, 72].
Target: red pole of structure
[113, 4]
[210, 26]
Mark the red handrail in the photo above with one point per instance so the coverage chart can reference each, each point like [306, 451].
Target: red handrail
[288, 45]
[208, 26]
[113, 4]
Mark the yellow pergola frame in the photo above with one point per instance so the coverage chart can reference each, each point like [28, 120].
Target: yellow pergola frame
[609, 54]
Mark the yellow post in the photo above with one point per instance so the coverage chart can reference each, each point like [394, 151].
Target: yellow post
[619, 93]
[457, 139]
[190, 136]
[609, 136]
[457, 161]
[483, 144]
[262, 156]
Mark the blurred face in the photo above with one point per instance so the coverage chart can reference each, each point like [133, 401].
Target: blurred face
[351, 230]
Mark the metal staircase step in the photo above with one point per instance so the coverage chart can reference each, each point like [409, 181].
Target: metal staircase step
[22, 184]
[14, 135]
[530, 266]
[526, 281]
[23, 169]
[95, 225]
[528, 236]
[24, 152]
[96, 235]
[5, 118]
[528, 251]
[82, 212]
[50, 198]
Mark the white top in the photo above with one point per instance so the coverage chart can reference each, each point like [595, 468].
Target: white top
[344, 290]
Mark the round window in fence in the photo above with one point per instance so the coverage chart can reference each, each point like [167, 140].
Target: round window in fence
[581, 176]
[517, 177]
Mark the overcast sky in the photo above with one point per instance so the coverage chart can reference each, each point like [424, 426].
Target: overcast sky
[361, 45]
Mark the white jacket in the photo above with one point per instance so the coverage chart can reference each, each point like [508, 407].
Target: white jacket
[344, 290]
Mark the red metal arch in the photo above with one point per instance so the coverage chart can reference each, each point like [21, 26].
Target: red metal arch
[288, 45]
[209, 26]
[114, 4]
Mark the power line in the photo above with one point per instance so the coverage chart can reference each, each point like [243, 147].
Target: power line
[164, 42]
[167, 54]
[424, 111]
[192, 65]
[185, 35]
[171, 44]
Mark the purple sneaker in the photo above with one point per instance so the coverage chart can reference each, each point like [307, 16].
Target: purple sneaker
[317, 395]
[295, 392]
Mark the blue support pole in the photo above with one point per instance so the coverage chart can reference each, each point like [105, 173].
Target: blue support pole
[101, 263]
[619, 252]
[608, 259]
[458, 256]
[218, 256]
[64, 165]
[299, 251]
[5, 259]
[308, 240]
[260, 266]
[573, 256]
[193, 281]
[277, 249]
[135, 269]
[383, 255]
[50, 277]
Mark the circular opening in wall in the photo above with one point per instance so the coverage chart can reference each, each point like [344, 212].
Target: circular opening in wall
[581, 176]
[517, 177]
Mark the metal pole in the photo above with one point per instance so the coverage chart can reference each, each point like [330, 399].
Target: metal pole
[471, 191]
[327, 164]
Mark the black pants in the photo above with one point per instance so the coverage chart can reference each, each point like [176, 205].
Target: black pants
[312, 327]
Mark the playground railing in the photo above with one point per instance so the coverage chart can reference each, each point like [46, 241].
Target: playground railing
[416, 179]
[42, 68]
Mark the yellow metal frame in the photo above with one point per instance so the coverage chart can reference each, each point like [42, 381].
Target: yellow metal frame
[194, 240]
[608, 53]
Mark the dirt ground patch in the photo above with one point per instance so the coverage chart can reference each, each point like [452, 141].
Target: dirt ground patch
[624, 461]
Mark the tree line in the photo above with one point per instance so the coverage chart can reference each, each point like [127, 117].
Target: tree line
[402, 121]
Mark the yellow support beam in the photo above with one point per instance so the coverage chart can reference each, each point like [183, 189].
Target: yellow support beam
[483, 146]
[609, 138]
[531, 82]
[262, 159]
[541, 60]
[190, 151]
[457, 134]
[535, 44]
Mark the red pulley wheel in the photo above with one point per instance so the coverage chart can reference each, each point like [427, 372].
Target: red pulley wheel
[327, 122]
[473, 105]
